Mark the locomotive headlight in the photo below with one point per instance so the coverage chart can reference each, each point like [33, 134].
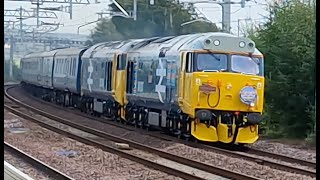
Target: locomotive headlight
[216, 42]
[248, 95]
[242, 44]
[229, 86]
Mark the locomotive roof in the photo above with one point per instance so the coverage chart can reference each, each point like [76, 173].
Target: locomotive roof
[227, 41]
[69, 51]
[173, 44]
[93, 49]
[41, 54]
[195, 42]
[117, 47]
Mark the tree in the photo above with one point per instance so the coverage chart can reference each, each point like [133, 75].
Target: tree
[106, 31]
[16, 72]
[162, 19]
[288, 43]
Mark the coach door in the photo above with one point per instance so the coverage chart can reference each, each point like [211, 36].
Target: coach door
[108, 76]
[185, 81]
[130, 74]
[181, 79]
[118, 77]
[129, 77]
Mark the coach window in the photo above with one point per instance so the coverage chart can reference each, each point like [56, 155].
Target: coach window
[121, 61]
[66, 66]
[73, 69]
[70, 66]
[58, 66]
[55, 68]
[75, 66]
[48, 65]
[62, 66]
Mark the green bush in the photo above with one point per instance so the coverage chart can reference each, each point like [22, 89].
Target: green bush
[16, 72]
[288, 44]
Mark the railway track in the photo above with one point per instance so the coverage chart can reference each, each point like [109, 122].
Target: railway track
[249, 151]
[247, 156]
[50, 171]
[193, 166]
[281, 157]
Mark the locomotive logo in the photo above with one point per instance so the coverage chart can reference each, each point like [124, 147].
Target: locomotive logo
[90, 70]
[162, 73]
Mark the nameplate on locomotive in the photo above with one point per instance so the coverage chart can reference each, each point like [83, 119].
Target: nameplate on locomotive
[206, 88]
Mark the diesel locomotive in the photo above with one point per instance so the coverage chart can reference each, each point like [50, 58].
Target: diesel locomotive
[208, 86]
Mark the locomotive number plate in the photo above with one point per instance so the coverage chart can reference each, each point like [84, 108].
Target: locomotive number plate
[206, 88]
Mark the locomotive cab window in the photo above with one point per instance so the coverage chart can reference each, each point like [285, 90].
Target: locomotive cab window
[207, 62]
[245, 64]
[121, 61]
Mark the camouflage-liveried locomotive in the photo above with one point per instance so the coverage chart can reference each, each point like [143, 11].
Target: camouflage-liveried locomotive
[209, 85]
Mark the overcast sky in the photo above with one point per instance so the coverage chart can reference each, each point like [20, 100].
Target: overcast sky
[83, 14]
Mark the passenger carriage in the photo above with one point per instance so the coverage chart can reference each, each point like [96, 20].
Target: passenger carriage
[67, 73]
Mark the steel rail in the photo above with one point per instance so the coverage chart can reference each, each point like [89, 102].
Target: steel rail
[52, 172]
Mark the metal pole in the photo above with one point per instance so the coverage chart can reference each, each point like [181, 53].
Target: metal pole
[165, 19]
[87, 24]
[135, 10]
[21, 22]
[226, 16]
[238, 27]
[11, 56]
[38, 7]
[171, 22]
[78, 29]
[70, 9]
[33, 44]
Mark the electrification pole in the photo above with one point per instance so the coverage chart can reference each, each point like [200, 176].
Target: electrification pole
[135, 10]
[20, 18]
[226, 15]
[70, 2]
[11, 56]
[38, 7]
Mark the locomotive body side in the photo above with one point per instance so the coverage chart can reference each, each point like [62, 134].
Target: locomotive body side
[86, 79]
[210, 104]
[151, 78]
[103, 75]
[67, 63]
